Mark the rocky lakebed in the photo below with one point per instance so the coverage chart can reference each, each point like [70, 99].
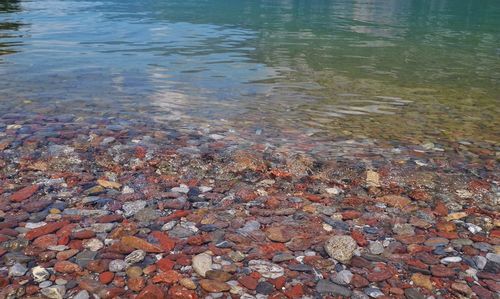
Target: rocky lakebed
[100, 207]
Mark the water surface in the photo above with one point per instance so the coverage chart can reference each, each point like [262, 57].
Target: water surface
[411, 71]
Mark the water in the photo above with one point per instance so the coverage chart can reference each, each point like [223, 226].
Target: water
[410, 72]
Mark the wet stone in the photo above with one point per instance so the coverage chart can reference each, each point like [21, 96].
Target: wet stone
[84, 257]
[373, 292]
[282, 257]
[40, 274]
[341, 248]
[131, 208]
[300, 268]
[326, 287]
[434, 242]
[413, 293]
[343, 277]
[264, 288]
[146, 215]
[135, 257]
[17, 270]
[117, 265]
[376, 248]
[202, 263]
[266, 269]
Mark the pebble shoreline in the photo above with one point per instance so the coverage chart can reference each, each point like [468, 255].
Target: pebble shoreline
[107, 210]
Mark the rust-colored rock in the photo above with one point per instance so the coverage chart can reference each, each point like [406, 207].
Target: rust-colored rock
[151, 292]
[45, 230]
[179, 292]
[139, 243]
[66, 267]
[213, 286]
[24, 193]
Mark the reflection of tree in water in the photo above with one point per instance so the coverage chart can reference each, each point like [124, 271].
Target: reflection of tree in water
[10, 6]
[6, 27]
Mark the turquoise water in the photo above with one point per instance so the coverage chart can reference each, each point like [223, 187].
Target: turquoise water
[324, 67]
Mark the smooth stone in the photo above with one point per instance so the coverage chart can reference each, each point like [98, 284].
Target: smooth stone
[181, 189]
[300, 268]
[169, 225]
[147, 215]
[84, 257]
[218, 275]
[473, 228]
[493, 257]
[266, 269]
[343, 277]
[214, 286]
[249, 227]
[326, 287]
[83, 294]
[282, 257]
[376, 248]
[40, 274]
[413, 293]
[451, 259]
[134, 272]
[264, 288]
[45, 284]
[434, 242]
[484, 247]
[60, 281]
[55, 292]
[132, 207]
[373, 292]
[93, 244]
[461, 242]
[117, 265]
[403, 229]
[135, 256]
[202, 263]
[17, 270]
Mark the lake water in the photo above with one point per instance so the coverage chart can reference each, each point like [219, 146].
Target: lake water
[411, 72]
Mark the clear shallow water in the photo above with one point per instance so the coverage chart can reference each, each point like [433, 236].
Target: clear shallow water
[407, 71]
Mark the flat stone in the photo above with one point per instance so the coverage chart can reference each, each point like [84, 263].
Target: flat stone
[266, 269]
[451, 259]
[264, 288]
[341, 248]
[132, 207]
[343, 277]
[373, 292]
[141, 244]
[433, 242]
[117, 265]
[202, 263]
[413, 293]
[326, 287]
[376, 248]
[218, 275]
[403, 229]
[135, 256]
[300, 267]
[493, 257]
[213, 286]
[83, 294]
[147, 215]
[55, 292]
[17, 270]
[278, 234]
[84, 257]
[40, 274]
[93, 244]
[282, 257]
[421, 280]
